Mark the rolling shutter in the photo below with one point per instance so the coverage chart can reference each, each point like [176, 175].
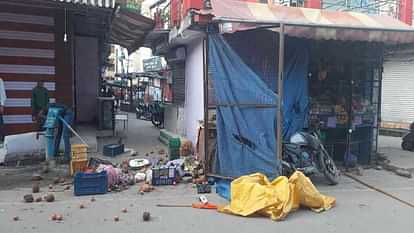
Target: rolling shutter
[397, 90]
[27, 54]
[178, 85]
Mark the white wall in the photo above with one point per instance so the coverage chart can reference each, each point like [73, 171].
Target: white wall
[193, 107]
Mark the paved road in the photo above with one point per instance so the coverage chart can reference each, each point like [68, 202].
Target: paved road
[358, 209]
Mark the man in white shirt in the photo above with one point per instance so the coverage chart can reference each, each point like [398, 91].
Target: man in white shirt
[2, 105]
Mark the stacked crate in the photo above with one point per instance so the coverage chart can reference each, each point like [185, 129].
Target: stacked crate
[79, 159]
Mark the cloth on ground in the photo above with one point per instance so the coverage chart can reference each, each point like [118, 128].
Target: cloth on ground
[255, 194]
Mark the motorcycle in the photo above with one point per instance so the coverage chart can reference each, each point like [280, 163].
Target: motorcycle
[305, 152]
[408, 139]
[153, 112]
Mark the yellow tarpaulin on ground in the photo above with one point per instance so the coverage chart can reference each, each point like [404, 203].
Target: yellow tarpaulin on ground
[254, 194]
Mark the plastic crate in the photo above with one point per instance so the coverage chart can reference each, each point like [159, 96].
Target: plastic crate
[173, 153]
[90, 183]
[79, 151]
[78, 166]
[174, 143]
[113, 150]
[163, 175]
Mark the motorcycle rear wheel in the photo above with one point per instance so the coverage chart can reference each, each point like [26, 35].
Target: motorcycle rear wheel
[406, 145]
[328, 167]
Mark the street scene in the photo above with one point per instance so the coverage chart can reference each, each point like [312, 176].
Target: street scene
[206, 116]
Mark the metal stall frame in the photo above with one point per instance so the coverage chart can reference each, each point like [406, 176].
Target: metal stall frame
[279, 91]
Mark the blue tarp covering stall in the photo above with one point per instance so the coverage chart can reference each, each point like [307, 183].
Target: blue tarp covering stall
[243, 72]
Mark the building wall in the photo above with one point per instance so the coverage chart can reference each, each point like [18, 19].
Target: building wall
[28, 53]
[194, 102]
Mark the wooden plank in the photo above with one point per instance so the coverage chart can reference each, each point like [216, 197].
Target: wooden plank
[24, 44]
[27, 61]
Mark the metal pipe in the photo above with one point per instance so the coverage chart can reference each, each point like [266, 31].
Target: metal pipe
[279, 119]
[205, 96]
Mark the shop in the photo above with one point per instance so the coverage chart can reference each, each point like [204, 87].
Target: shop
[331, 64]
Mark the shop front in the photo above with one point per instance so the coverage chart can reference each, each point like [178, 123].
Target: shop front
[326, 71]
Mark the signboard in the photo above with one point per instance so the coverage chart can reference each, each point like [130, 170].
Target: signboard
[152, 64]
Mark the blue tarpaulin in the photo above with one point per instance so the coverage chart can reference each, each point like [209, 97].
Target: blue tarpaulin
[246, 135]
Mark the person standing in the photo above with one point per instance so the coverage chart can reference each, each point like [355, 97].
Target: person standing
[40, 102]
[3, 98]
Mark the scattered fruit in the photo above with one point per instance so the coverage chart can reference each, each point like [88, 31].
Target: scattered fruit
[59, 217]
[49, 198]
[38, 199]
[146, 216]
[28, 198]
[124, 210]
[53, 217]
[116, 219]
[16, 218]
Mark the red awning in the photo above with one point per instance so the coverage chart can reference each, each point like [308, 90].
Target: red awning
[310, 23]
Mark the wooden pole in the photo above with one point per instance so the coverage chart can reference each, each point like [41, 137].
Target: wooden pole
[279, 125]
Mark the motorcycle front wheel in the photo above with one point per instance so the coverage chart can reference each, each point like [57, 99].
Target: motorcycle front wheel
[328, 167]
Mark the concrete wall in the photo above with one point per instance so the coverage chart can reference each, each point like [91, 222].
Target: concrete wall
[193, 107]
[174, 119]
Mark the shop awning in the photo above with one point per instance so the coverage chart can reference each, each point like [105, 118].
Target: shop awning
[129, 29]
[311, 23]
[94, 3]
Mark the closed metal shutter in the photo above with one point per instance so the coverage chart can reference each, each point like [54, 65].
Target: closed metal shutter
[178, 85]
[27, 54]
[398, 89]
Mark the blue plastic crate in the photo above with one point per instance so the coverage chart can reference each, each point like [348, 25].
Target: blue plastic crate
[113, 150]
[163, 175]
[90, 183]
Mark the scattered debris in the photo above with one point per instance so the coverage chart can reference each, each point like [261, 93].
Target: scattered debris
[49, 197]
[59, 217]
[403, 172]
[36, 177]
[116, 219]
[67, 187]
[81, 206]
[93, 199]
[146, 216]
[35, 188]
[378, 167]
[50, 186]
[28, 198]
[45, 168]
[124, 210]
[62, 180]
[38, 199]
[16, 218]
[161, 152]
[56, 181]
[146, 188]
[56, 217]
